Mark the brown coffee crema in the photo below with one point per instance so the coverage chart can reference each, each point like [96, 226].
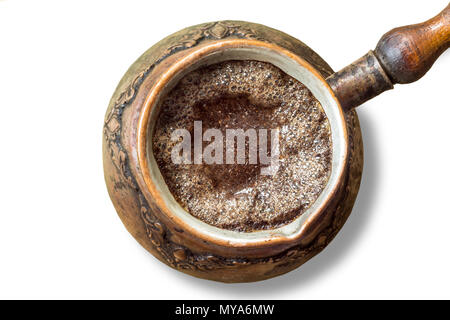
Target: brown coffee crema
[245, 95]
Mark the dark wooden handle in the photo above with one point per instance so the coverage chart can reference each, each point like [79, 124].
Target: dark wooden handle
[403, 55]
[407, 53]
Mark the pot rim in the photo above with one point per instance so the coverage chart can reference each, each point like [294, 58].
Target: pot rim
[310, 77]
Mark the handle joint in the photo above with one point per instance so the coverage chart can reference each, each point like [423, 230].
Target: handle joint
[360, 81]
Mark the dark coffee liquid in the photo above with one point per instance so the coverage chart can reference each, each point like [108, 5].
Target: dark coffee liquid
[246, 95]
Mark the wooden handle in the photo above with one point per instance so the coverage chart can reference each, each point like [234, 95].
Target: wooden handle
[407, 53]
[403, 55]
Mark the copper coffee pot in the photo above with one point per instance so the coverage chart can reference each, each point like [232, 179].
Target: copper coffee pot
[157, 221]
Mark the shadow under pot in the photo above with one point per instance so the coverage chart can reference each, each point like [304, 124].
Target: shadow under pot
[231, 150]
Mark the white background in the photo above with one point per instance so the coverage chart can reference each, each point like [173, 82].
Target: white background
[59, 234]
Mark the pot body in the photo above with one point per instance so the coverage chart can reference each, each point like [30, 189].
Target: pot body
[142, 214]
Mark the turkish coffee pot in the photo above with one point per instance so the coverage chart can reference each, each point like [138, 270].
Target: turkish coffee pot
[148, 209]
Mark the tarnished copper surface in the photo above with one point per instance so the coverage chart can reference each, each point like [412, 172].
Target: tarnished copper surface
[145, 216]
[403, 55]
[360, 81]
